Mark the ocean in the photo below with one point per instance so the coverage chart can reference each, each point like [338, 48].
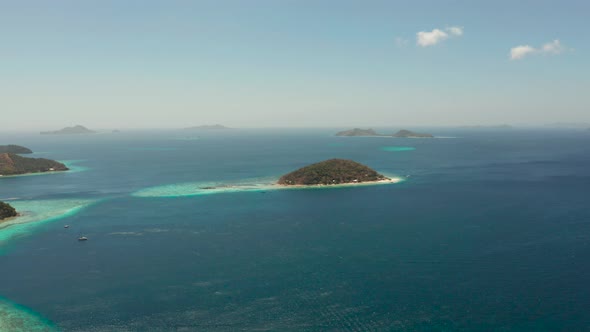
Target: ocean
[489, 231]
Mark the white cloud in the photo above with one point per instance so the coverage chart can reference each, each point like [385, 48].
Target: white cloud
[457, 31]
[553, 47]
[429, 38]
[519, 52]
[522, 51]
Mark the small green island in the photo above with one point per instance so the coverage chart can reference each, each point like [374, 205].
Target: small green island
[13, 164]
[332, 172]
[7, 211]
[11, 148]
[404, 133]
[75, 130]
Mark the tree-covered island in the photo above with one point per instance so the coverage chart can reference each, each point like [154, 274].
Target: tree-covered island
[13, 164]
[75, 130]
[6, 211]
[332, 172]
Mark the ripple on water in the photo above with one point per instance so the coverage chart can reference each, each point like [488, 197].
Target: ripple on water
[397, 148]
[14, 317]
[36, 213]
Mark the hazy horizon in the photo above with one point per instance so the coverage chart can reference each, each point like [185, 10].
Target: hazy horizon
[263, 64]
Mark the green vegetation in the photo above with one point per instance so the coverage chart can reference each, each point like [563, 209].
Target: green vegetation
[7, 211]
[69, 130]
[14, 149]
[331, 172]
[12, 164]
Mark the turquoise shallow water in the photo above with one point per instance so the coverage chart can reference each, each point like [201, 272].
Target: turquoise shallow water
[14, 318]
[36, 213]
[488, 232]
[206, 188]
[397, 148]
[236, 186]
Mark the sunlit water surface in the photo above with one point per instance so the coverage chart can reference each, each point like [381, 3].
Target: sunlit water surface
[489, 231]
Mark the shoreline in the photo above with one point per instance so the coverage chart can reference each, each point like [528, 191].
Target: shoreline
[2, 221]
[32, 173]
[70, 164]
[33, 213]
[366, 183]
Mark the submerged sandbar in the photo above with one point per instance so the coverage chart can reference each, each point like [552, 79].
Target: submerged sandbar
[34, 213]
[209, 188]
[332, 173]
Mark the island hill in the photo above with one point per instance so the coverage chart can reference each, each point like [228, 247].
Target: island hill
[370, 132]
[14, 149]
[13, 164]
[332, 172]
[70, 131]
[7, 211]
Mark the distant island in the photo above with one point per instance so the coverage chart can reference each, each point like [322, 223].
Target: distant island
[568, 125]
[13, 164]
[332, 172]
[358, 132]
[69, 131]
[14, 149]
[7, 211]
[207, 127]
[410, 134]
[500, 126]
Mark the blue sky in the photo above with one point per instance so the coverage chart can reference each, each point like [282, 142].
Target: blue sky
[292, 63]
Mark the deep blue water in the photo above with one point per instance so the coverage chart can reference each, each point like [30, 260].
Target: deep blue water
[490, 232]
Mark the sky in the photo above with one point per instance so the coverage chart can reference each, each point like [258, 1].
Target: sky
[292, 63]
